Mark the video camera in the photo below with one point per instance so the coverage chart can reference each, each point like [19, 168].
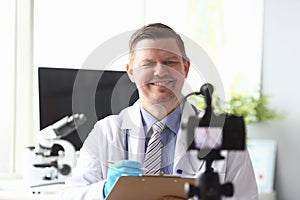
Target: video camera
[215, 131]
[210, 133]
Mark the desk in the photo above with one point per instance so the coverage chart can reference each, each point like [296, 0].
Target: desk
[17, 190]
[267, 196]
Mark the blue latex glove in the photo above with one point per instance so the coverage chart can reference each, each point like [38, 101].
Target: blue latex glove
[124, 167]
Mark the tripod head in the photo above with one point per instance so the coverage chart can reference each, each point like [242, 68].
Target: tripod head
[207, 186]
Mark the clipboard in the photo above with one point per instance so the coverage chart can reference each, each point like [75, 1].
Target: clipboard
[148, 187]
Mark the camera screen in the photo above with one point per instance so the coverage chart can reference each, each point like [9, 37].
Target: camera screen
[208, 137]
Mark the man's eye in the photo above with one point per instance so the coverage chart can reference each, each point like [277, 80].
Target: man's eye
[170, 62]
[148, 64]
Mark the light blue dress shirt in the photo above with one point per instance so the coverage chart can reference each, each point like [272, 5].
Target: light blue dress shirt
[168, 135]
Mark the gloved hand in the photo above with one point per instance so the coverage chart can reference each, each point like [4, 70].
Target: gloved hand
[124, 167]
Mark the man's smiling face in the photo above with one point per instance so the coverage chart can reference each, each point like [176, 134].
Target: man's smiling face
[158, 70]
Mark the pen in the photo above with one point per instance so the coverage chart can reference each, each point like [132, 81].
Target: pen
[114, 162]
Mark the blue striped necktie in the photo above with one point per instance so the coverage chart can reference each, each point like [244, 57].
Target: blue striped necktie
[152, 161]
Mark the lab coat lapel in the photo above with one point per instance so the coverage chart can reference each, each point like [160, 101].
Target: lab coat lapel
[185, 162]
[132, 124]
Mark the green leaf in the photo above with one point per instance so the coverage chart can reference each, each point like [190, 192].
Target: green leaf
[254, 107]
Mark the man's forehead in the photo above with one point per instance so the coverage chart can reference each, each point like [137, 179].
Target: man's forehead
[163, 44]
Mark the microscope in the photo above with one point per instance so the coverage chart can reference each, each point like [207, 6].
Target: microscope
[41, 167]
[209, 134]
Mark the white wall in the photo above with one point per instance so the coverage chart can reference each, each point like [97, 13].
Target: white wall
[281, 78]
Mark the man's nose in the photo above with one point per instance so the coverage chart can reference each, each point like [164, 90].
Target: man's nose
[160, 69]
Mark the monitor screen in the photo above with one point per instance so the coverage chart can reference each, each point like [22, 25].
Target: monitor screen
[95, 93]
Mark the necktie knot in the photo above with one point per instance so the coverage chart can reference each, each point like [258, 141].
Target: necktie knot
[157, 127]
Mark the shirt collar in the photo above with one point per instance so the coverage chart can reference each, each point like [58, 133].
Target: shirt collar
[172, 120]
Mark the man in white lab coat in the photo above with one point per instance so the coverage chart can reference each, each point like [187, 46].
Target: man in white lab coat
[158, 65]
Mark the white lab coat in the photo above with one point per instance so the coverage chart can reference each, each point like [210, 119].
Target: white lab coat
[107, 141]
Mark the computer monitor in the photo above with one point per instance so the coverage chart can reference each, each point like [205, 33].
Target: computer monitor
[95, 93]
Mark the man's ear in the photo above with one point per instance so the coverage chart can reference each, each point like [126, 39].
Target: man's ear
[130, 72]
[186, 65]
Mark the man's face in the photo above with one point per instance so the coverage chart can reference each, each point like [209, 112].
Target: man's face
[158, 70]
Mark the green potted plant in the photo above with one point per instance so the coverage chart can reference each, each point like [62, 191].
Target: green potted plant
[253, 106]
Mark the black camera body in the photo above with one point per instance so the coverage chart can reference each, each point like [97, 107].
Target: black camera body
[216, 132]
[209, 134]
